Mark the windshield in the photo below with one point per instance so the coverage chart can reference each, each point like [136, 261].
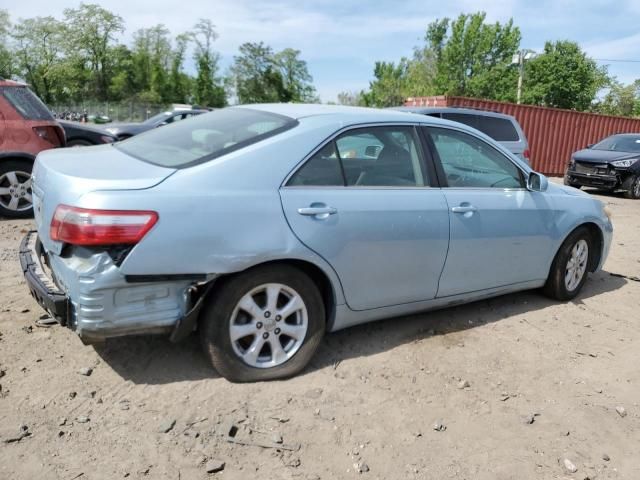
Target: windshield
[26, 103]
[205, 137]
[619, 143]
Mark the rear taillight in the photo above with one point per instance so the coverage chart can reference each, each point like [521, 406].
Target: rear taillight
[526, 154]
[50, 135]
[82, 226]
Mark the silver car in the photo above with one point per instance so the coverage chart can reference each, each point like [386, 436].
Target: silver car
[264, 226]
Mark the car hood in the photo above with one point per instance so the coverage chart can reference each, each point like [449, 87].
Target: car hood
[63, 176]
[589, 155]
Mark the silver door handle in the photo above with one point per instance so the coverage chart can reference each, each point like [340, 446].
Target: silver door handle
[324, 211]
[464, 209]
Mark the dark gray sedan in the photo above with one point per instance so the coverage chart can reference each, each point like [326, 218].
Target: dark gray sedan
[126, 130]
[611, 164]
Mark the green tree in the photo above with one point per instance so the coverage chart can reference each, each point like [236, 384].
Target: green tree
[473, 58]
[208, 87]
[387, 88]
[353, 98]
[623, 100]
[6, 58]
[255, 77]
[90, 34]
[179, 81]
[297, 81]
[563, 76]
[38, 50]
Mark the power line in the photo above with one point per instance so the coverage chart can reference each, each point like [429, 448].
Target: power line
[616, 60]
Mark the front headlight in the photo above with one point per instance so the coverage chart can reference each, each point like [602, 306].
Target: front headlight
[607, 212]
[624, 163]
[112, 131]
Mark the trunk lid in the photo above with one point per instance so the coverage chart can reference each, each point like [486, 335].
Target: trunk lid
[63, 176]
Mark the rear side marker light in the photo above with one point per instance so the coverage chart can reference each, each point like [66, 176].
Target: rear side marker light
[82, 226]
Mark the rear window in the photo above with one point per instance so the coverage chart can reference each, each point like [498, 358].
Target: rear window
[500, 129]
[26, 103]
[205, 137]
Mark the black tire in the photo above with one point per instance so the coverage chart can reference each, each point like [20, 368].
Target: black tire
[15, 165]
[79, 142]
[216, 318]
[632, 187]
[555, 286]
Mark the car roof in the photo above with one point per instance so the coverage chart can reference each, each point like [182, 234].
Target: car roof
[303, 110]
[11, 83]
[464, 111]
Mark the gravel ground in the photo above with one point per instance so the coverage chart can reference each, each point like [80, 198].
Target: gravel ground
[517, 387]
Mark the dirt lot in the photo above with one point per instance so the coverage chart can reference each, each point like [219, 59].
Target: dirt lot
[371, 396]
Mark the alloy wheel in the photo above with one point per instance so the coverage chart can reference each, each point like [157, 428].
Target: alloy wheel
[268, 325]
[576, 265]
[15, 191]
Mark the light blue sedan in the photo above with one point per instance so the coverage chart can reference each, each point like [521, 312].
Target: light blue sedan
[264, 226]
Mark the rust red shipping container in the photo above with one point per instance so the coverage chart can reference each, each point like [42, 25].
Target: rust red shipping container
[553, 133]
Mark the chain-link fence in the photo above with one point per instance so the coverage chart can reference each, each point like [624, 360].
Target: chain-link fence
[108, 111]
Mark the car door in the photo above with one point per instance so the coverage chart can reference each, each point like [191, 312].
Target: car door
[364, 202]
[501, 232]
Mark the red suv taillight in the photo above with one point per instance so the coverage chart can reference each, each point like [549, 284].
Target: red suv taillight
[526, 154]
[82, 226]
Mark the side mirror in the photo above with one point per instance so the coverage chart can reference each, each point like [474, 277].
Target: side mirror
[537, 182]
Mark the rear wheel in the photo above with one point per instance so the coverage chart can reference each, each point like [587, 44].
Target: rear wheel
[263, 324]
[569, 269]
[632, 187]
[15, 188]
[79, 143]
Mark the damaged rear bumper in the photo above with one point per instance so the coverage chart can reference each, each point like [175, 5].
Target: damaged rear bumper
[88, 293]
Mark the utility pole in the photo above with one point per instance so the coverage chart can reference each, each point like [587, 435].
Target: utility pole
[519, 59]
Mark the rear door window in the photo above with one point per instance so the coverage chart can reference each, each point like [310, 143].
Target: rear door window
[26, 103]
[500, 129]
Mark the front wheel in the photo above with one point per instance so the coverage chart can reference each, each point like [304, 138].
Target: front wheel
[632, 187]
[15, 188]
[263, 324]
[569, 269]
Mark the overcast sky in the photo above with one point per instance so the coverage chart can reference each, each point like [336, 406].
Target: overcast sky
[342, 39]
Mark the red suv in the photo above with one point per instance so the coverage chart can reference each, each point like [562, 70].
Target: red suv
[26, 128]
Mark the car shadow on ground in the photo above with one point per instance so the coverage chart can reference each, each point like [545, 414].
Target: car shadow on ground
[155, 360]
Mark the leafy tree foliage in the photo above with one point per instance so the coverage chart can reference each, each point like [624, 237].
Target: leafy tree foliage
[623, 100]
[208, 87]
[564, 77]
[259, 75]
[80, 58]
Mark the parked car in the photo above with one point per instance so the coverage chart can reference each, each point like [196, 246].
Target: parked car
[611, 164]
[82, 135]
[253, 225]
[503, 128]
[26, 128]
[126, 130]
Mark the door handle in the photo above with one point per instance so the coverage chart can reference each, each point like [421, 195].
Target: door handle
[464, 209]
[318, 212]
